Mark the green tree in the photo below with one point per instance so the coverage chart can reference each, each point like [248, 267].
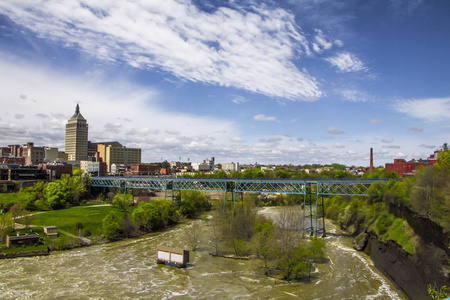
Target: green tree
[147, 216]
[111, 226]
[56, 194]
[6, 225]
[76, 171]
[194, 203]
[443, 159]
[263, 241]
[122, 201]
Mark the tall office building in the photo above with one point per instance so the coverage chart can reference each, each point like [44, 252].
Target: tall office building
[76, 145]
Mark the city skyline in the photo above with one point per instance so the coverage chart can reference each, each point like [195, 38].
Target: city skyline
[281, 82]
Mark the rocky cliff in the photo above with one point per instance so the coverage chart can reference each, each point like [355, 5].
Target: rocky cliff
[430, 264]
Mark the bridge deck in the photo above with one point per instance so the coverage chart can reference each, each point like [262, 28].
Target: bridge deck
[313, 190]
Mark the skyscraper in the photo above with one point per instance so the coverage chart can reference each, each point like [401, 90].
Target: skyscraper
[76, 145]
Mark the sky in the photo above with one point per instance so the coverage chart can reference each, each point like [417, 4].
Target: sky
[270, 82]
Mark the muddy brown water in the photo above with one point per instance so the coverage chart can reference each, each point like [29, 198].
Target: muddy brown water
[128, 270]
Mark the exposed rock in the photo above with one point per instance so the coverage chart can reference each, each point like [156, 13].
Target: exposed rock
[360, 242]
[411, 273]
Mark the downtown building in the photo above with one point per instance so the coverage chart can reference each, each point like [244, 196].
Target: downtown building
[76, 143]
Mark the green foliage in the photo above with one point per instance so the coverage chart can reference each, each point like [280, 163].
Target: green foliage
[443, 159]
[148, 216]
[299, 260]
[240, 247]
[60, 243]
[383, 223]
[56, 195]
[221, 174]
[111, 225]
[76, 171]
[438, 294]
[6, 225]
[122, 201]
[402, 234]
[194, 203]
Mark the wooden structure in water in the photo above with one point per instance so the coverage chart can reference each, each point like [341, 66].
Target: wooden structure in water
[176, 256]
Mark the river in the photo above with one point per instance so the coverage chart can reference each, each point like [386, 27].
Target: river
[128, 270]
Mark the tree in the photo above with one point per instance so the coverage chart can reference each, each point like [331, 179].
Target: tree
[215, 233]
[76, 171]
[122, 201]
[127, 226]
[6, 225]
[147, 216]
[79, 226]
[316, 252]
[193, 233]
[56, 194]
[263, 242]
[111, 225]
[16, 211]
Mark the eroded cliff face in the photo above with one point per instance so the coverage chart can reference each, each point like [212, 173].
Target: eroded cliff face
[411, 273]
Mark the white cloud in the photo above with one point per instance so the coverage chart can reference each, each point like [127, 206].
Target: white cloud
[400, 155]
[320, 42]
[246, 49]
[387, 140]
[338, 146]
[347, 62]
[431, 109]
[333, 130]
[264, 118]
[103, 107]
[236, 139]
[416, 129]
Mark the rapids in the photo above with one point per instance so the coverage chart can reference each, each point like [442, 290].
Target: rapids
[127, 270]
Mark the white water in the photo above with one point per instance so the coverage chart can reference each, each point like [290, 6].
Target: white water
[128, 270]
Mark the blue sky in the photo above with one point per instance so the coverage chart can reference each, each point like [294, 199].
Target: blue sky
[304, 81]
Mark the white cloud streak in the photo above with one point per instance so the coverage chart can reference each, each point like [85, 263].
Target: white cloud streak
[246, 48]
[264, 118]
[346, 63]
[431, 109]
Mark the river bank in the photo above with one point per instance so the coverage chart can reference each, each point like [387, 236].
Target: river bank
[128, 269]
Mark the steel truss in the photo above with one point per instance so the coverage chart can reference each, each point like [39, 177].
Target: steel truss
[313, 190]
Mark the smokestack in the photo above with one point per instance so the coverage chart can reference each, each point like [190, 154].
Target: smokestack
[371, 160]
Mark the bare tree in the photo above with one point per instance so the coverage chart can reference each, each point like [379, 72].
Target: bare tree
[193, 233]
[289, 224]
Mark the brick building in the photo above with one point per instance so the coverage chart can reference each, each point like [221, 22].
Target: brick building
[404, 168]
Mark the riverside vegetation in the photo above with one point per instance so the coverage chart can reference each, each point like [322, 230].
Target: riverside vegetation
[395, 213]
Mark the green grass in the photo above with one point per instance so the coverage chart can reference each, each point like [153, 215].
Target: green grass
[400, 232]
[66, 219]
[25, 249]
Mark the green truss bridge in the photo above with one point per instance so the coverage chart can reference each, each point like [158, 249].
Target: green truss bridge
[312, 189]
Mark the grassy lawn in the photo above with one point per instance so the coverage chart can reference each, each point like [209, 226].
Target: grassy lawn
[7, 199]
[66, 219]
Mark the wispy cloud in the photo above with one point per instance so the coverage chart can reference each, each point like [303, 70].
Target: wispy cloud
[432, 109]
[264, 118]
[416, 129]
[333, 130]
[347, 62]
[387, 140]
[254, 51]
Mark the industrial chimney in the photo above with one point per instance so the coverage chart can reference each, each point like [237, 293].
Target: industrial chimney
[371, 160]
